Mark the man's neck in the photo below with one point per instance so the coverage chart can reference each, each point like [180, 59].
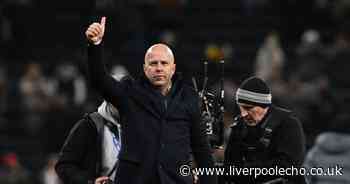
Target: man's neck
[165, 90]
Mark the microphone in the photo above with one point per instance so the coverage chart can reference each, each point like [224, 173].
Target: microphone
[221, 105]
[205, 81]
[222, 93]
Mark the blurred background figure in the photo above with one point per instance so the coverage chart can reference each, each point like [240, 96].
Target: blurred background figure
[168, 37]
[213, 52]
[310, 42]
[69, 86]
[270, 66]
[12, 172]
[35, 95]
[34, 88]
[270, 59]
[310, 85]
[331, 149]
[118, 72]
[42, 91]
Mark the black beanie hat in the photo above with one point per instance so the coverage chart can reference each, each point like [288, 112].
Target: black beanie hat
[254, 91]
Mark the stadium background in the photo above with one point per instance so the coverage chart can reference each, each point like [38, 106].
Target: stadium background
[301, 48]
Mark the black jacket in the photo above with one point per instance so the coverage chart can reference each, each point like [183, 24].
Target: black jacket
[159, 132]
[286, 148]
[80, 156]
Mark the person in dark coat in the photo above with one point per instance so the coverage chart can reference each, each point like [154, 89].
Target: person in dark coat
[91, 149]
[263, 136]
[160, 117]
[331, 152]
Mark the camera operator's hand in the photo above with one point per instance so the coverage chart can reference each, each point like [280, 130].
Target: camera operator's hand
[95, 32]
[101, 180]
[218, 153]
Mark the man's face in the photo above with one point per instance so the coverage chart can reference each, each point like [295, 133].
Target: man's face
[159, 66]
[251, 114]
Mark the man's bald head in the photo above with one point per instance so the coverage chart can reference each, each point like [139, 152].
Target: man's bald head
[160, 49]
[159, 66]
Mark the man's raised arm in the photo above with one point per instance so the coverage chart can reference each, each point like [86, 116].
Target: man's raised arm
[106, 85]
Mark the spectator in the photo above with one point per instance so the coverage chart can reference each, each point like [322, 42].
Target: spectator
[331, 149]
[12, 170]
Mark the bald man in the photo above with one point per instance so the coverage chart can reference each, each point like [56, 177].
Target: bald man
[159, 114]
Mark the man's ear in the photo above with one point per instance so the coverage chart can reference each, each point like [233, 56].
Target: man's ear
[174, 69]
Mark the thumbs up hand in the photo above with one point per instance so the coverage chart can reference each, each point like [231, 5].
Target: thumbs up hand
[95, 32]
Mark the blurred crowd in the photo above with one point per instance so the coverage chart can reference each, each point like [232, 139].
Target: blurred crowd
[303, 56]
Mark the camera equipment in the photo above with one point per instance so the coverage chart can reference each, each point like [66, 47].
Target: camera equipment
[212, 108]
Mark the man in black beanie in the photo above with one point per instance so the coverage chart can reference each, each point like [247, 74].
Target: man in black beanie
[266, 142]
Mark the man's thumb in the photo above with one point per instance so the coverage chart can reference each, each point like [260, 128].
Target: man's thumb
[103, 21]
